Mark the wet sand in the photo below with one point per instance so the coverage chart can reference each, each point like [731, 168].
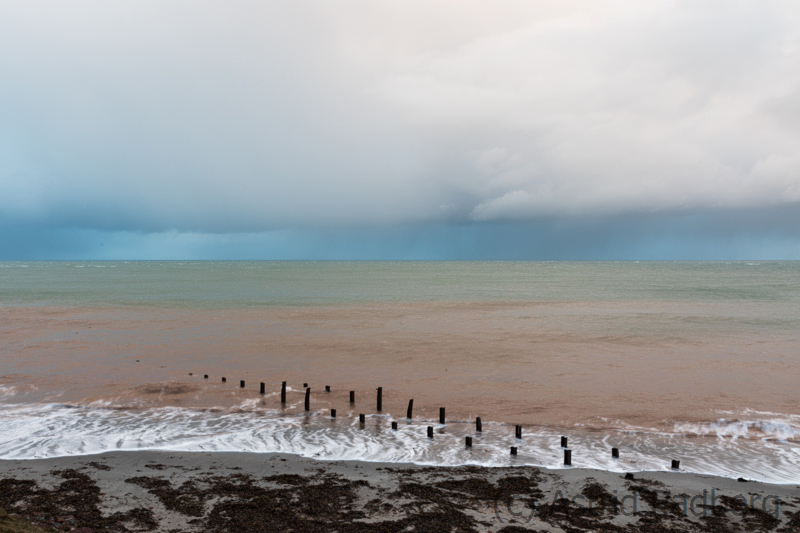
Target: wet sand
[234, 492]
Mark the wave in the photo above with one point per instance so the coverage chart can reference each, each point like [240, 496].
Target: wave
[752, 429]
[50, 430]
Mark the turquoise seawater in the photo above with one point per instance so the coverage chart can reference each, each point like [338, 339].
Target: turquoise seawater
[221, 284]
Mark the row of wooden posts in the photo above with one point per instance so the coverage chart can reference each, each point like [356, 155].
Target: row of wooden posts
[478, 424]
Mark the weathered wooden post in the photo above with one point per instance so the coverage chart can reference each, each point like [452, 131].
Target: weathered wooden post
[380, 398]
[518, 432]
[333, 413]
[283, 392]
[676, 465]
[352, 396]
[568, 457]
[241, 383]
[469, 442]
[513, 450]
[410, 408]
[327, 388]
[563, 442]
[430, 432]
[394, 426]
[263, 388]
[615, 453]
[223, 380]
[441, 415]
[205, 376]
[361, 419]
[478, 425]
[308, 399]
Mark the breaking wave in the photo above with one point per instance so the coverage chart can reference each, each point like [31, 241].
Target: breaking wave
[764, 450]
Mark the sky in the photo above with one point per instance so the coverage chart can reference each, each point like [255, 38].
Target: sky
[504, 129]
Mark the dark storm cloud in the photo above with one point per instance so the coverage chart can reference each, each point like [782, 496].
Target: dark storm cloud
[724, 235]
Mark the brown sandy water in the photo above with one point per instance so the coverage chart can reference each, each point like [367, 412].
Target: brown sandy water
[540, 363]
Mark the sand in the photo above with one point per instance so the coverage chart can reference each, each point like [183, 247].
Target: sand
[238, 492]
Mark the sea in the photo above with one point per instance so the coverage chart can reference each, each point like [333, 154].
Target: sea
[691, 361]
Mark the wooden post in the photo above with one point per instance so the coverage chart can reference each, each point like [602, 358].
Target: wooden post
[283, 392]
[380, 398]
[676, 465]
[518, 432]
[410, 408]
[513, 450]
[305, 385]
[361, 419]
[478, 425]
[241, 383]
[469, 442]
[333, 413]
[205, 376]
[568, 457]
[563, 442]
[430, 432]
[352, 396]
[615, 453]
[263, 388]
[441, 415]
[190, 373]
[223, 380]
[327, 388]
[394, 426]
[308, 399]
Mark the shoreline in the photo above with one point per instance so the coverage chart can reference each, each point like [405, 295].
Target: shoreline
[240, 491]
[56, 430]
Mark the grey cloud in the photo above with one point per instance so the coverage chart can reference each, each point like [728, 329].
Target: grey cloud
[244, 117]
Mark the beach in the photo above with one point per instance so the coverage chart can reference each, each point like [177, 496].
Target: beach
[400, 267]
[146, 396]
[234, 492]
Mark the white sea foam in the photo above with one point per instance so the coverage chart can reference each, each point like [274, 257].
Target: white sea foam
[51, 430]
[780, 429]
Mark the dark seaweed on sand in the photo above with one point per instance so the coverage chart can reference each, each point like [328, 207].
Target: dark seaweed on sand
[414, 500]
[77, 497]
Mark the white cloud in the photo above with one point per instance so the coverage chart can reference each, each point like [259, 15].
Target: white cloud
[248, 116]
